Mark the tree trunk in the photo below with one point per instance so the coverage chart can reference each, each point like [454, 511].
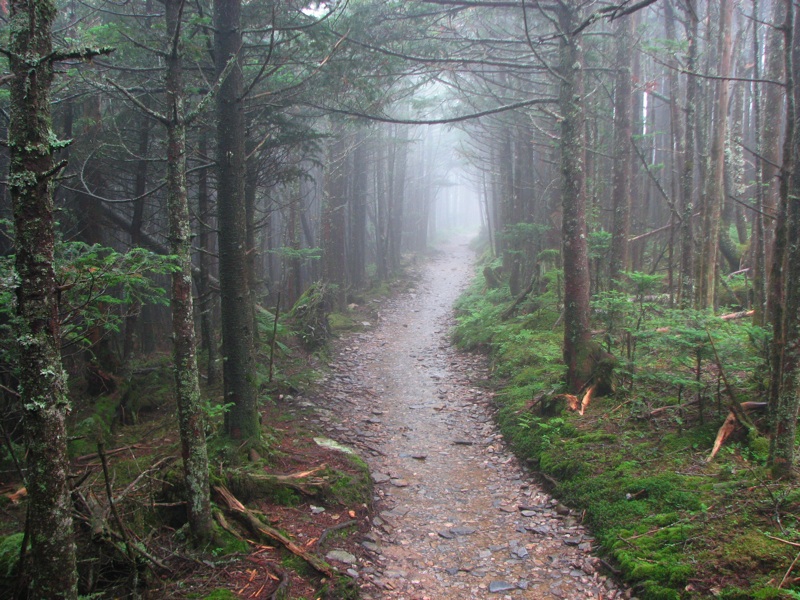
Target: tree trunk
[758, 235]
[577, 334]
[242, 420]
[42, 381]
[137, 221]
[712, 209]
[774, 111]
[358, 214]
[207, 294]
[334, 219]
[787, 338]
[622, 152]
[191, 417]
[687, 173]
[397, 198]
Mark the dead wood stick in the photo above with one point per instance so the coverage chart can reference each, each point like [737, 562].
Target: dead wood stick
[282, 584]
[736, 407]
[658, 411]
[112, 506]
[330, 530]
[132, 485]
[260, 528]
[506, 314]
[777, 539]
[139, 549]
[111, 452]
[789, 571]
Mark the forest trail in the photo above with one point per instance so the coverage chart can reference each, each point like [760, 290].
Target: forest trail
[456, 516]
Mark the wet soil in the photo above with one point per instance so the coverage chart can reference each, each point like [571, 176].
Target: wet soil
[456, 514]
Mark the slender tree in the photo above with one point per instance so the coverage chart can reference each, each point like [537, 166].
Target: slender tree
[715, 196]
[190, 411]
[621, 194]
[577, 333]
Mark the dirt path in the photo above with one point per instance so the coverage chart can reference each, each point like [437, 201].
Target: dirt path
[456, 516]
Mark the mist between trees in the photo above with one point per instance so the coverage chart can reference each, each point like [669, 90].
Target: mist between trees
[268, 147]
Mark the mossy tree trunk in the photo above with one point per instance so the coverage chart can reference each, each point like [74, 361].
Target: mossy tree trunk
[577, 334]
[190, 411]
[42, 381]
[242, 420]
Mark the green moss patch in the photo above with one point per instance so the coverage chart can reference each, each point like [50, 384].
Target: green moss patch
[676, 526]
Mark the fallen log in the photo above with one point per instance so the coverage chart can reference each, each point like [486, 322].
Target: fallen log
[737, 315]
[259, 528]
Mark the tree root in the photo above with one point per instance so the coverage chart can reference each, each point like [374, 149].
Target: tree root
[248, 484]
[262, 530]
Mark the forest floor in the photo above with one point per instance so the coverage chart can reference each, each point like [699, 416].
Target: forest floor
[455, 514]
[396, 475]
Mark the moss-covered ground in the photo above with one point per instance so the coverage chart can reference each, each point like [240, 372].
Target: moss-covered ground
[674, 524]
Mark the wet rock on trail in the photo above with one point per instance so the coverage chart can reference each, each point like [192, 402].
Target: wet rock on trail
[456, 515]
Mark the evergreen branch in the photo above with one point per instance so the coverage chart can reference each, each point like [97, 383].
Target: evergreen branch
[86, 53]
[201, 106]
[445, 121]
[161, 118]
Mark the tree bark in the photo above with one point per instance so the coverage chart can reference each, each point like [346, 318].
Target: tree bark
[712, 209]
[577, 333]
[358, 214]
[242, 420]
[774, 113]
[622, 152]
[334, 219]
[686, 294]
[191, 417]
[42, 380]
[207, 294]
[787, 338]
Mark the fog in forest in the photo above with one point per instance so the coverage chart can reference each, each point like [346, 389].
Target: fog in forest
[199, 197]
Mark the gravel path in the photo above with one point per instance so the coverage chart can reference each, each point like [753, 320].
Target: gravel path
[457, 517]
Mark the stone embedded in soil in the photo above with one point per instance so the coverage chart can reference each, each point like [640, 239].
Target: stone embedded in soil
[448, 535]
[342, 556]
[401, 483]
[372, 547]
[379, 477]
[496, 587]
[520, 552]
[463, 530]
